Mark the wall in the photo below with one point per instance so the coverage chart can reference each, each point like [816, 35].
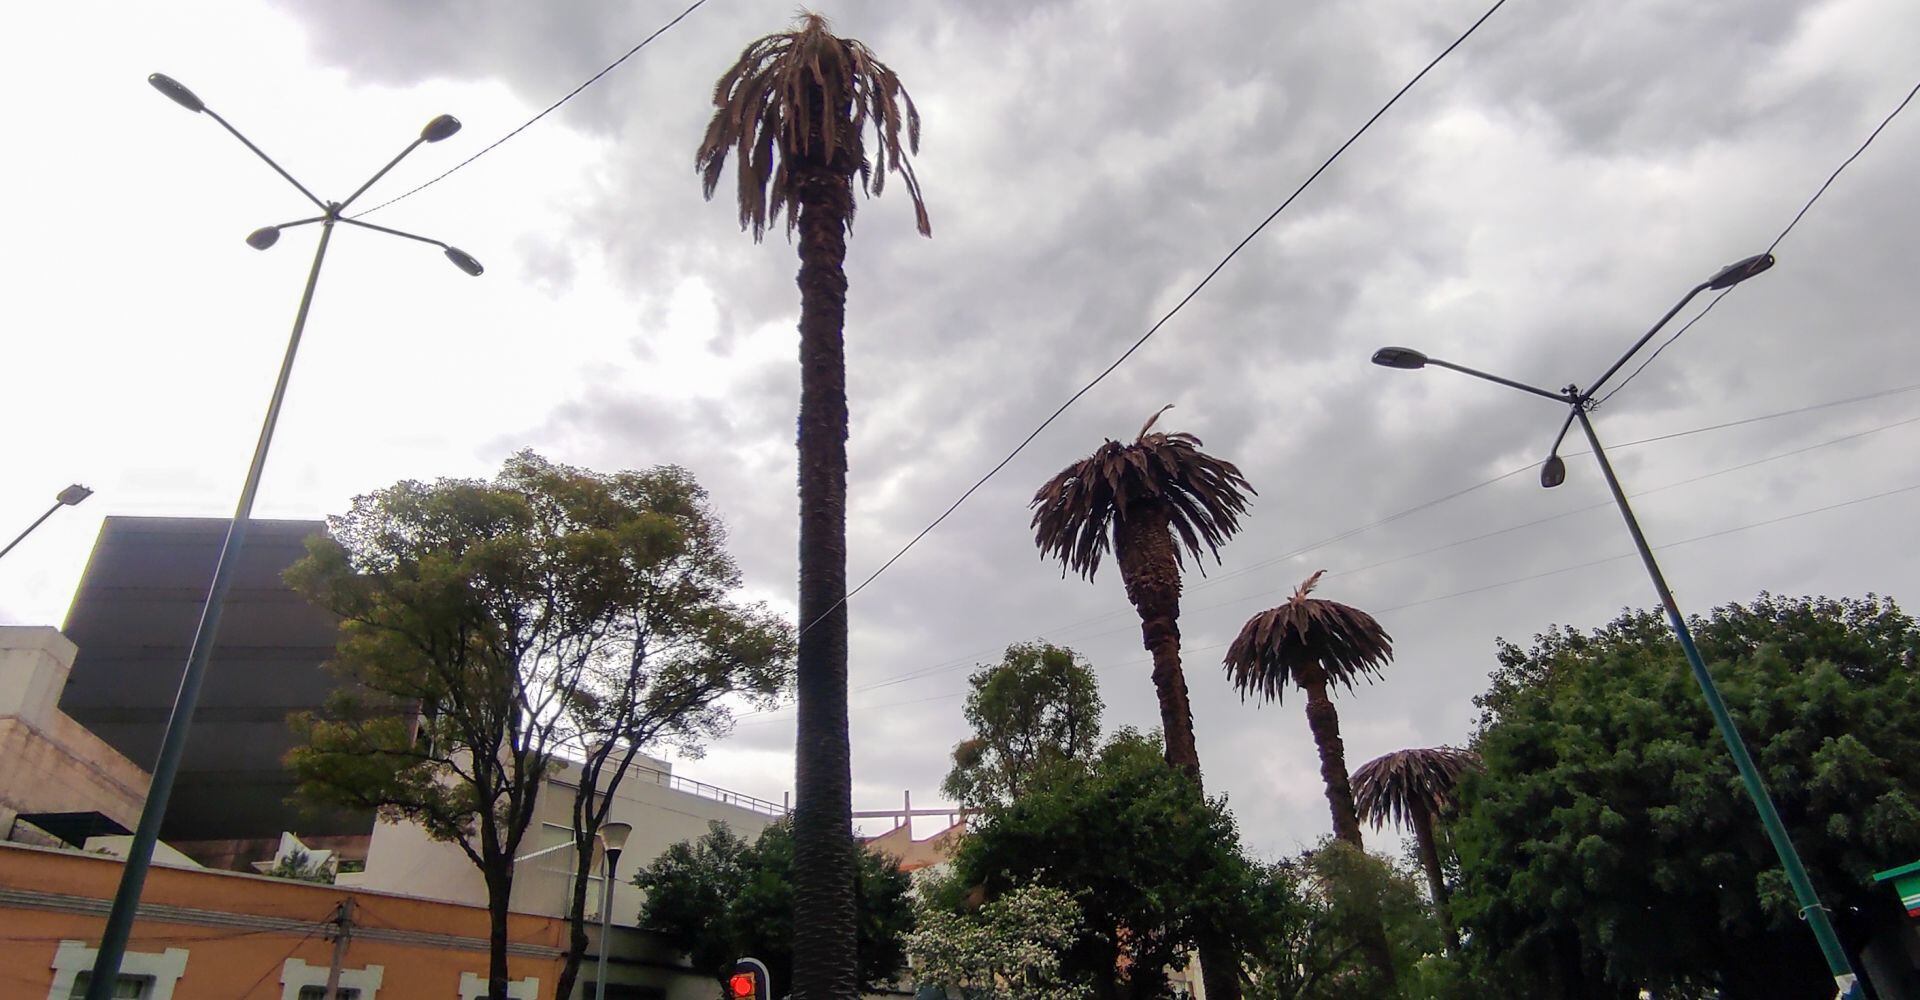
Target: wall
[239, 937]
[54, 764]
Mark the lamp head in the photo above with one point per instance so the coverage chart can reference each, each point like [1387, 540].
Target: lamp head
[615, 836]
[264, 237]
[464, 261]
[1740, 270]
[440, 128]
[1399, 357]
[72, 495]
[176, 93]
[1553, 471]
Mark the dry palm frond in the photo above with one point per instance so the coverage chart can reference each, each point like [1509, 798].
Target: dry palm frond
[807, 97]
[1278, 646]
[1077, 512]
[1397, 785]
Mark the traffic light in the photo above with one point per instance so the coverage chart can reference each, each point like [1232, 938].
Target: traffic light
[749, 980]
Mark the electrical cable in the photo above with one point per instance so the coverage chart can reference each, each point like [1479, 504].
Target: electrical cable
[549, 110]
[1770, 247]
[1155, 328]
[282, 963]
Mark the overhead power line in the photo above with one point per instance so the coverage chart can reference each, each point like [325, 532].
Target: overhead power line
[1770, 247]
[657, 32]
[967, 662]
[1155, 328]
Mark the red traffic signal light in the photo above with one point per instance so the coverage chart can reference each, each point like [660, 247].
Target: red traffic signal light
[749, 980]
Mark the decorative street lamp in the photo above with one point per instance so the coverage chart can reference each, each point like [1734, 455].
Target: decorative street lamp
[1553, 472]
[69, 497]
[614, 836]
[126, 900]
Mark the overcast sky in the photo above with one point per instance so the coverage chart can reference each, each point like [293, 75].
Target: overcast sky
[1537, 202]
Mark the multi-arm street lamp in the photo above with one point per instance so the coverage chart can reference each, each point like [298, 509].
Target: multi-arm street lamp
[113, 941]
[1552, 473]
[69, 497]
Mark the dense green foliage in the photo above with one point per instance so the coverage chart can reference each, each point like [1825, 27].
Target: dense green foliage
[1154, 865]
[1007, 949]
[1319, 914]
[1609, 846]
[719, 898]
[1039, 705]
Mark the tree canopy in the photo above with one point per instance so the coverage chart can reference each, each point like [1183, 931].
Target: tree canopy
[719, 898]
[1609, 847]
[1040, 704]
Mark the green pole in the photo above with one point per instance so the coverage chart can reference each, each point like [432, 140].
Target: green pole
[1811, 908]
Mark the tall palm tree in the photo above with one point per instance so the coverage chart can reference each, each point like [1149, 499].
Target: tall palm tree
[1317, 644]
[1413, 788]
[1149, 503]
[795, 109]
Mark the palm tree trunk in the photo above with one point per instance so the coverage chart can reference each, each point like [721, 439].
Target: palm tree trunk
[1324, 720]
[823, 937]
[1436, 877]
[1151, 571]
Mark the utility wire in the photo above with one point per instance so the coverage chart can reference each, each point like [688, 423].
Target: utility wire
[1770, 247]
[1155, 328]
[549, 110]
[959, 663]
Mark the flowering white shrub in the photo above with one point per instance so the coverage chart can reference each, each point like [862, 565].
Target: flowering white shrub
[1010, 948]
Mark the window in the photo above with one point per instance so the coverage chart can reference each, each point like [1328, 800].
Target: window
[320, 993]
[124, 987]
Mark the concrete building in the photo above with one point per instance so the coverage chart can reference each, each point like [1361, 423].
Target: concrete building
[133, 619]
[60, 783]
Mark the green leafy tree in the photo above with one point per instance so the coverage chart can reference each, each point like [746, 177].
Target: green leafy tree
[1155, 867]
[794, 112]
[1318, 914]
[1008, 949]
[719, 898]
[488, 627]
[1608, 847]
[1039, 705]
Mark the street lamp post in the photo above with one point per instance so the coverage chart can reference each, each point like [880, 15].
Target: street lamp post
[69, 497]
[1552, 473]
[614, 836]
[113, 941]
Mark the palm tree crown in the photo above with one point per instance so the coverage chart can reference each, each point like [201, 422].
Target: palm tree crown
[807, 95]
[1077, 512]
[1406, 784]
[1303, 637]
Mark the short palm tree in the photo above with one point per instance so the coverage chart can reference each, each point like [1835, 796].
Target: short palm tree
[1314, 644]
[1150, 503]
[1413, 788]
[795, 111]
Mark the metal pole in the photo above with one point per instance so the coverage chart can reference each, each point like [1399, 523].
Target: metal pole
[113, 941]
[37, 521]
[1811, 908]
[606, 927]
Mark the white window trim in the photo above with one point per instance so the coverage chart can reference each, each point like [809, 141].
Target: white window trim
[473, 987]
[296, 974]
[72, 958]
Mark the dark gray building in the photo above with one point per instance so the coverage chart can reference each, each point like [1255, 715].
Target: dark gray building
[133, 619]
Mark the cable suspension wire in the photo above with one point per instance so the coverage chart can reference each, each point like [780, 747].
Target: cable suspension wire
[961, 663]
[1770, 247]
[657, 32]
[1155, 328]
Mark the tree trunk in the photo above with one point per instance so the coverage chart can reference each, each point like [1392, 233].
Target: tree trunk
[1324, 720]
[1436, 876]
[577, 918]
[1151, 570]
[823, 939]
[499, 879]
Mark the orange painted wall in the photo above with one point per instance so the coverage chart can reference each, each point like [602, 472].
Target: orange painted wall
[40, 889]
